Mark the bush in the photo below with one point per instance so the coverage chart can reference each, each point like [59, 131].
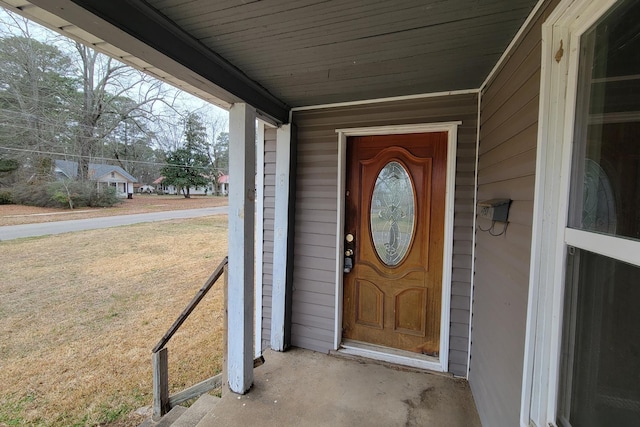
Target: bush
[82, 194]
[60, 193]
[32, 195]
[6, 198]
[104, 197]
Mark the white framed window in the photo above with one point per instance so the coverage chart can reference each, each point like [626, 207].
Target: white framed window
[583, 342]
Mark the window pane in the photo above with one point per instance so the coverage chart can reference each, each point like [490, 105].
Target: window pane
[600, 369]
[606, 167]
[392, 213]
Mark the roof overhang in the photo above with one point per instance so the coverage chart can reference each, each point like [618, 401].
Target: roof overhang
[135, 34]
[278, 55]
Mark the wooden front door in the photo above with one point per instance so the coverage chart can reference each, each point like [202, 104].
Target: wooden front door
[394, 227]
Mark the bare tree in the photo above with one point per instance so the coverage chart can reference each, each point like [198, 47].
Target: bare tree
[105, 84]
[169, 131]
[36, 88]
[219, 122]
[59, 98]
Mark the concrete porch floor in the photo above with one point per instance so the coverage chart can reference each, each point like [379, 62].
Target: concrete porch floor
[301, 387]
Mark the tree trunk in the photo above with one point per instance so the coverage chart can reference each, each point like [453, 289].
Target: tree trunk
[85, 141]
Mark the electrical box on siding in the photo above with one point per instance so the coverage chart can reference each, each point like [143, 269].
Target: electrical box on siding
[494, 209]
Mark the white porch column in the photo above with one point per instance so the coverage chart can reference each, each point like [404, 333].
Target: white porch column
[279, 297]
[240, 294]
[257, 347]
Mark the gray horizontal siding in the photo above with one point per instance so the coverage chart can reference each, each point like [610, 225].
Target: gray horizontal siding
[506, 169]
[267, 240]
[316, 210]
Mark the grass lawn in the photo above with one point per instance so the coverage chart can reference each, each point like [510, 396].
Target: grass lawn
[80, 313]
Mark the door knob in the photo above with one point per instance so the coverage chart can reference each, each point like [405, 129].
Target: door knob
[349, 238]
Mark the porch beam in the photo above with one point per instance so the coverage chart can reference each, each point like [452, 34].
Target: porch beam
[240, 303]
[283, 238]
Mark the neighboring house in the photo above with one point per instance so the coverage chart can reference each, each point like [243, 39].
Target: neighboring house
[223, 185]
[172, 189]
[146, 189]
[394, 137]
[104, 175]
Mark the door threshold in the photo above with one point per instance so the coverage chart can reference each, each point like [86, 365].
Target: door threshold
[390, 355]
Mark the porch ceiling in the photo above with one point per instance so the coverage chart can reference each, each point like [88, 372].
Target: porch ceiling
[277, 54]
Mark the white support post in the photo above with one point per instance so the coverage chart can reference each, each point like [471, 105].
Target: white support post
[240, 303]
[280, 249]
[257, 350]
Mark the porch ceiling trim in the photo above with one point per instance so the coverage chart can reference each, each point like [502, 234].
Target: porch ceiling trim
[388, 99]
[147, 26]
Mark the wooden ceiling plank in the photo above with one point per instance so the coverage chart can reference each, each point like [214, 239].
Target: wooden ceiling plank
[305, 14]
[425, 41]
[302, 20]
[343, 33]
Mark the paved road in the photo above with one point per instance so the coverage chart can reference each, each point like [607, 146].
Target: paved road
[45, 228]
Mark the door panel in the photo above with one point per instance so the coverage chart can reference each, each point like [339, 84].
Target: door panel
[395, 205]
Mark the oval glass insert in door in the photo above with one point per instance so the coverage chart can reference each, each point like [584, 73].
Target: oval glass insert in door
[392, 213]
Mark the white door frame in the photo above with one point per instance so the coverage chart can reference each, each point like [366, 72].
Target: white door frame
[559, 74]
[440, 364]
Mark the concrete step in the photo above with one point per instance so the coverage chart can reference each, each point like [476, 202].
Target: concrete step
[197, 411]
[180, 416]
[166, 421]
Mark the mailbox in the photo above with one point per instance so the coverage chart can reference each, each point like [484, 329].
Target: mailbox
[494, 209]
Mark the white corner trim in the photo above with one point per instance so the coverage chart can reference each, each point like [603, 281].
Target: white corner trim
[473, 238]
[452, 137]
[507, 52]
[259, 235]
[280, 238]
[389, 99]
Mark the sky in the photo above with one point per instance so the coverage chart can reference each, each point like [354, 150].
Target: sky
[183, 101]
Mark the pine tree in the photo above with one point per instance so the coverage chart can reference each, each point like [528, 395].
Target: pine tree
[189, 165]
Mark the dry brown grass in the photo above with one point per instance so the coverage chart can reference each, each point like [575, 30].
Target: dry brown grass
[141, 203]
[80, 312]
